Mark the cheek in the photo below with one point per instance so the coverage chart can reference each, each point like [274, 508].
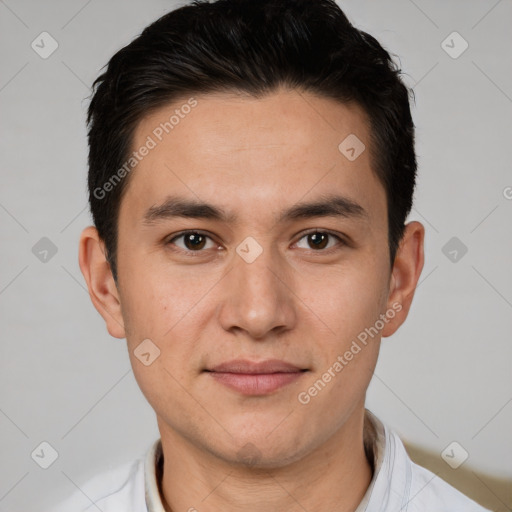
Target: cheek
[163, 312]
[346, 358]
[171, 311]
[155, 303]
[348, 301]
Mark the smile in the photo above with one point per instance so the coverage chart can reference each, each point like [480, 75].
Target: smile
[256, 378]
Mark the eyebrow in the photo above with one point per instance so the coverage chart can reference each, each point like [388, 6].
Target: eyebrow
[326, 206]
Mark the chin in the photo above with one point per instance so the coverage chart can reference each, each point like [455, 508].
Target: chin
[259, 451]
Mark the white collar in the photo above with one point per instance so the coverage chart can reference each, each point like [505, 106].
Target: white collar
[375, 444]
[153, 461]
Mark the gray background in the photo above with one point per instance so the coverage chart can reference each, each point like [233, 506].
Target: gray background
[444, 377]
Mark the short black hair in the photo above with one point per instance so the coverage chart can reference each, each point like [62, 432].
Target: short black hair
[252, 47]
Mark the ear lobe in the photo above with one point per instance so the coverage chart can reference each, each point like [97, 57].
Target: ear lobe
[100, 282]
[406, 272]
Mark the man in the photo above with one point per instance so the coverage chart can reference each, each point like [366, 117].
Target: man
[252, 166]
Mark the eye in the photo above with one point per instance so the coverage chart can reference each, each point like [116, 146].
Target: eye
[193, 241]
[319, 240]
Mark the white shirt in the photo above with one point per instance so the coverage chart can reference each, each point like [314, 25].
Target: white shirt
[398, 484]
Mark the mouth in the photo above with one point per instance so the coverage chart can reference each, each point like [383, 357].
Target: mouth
[256, 378]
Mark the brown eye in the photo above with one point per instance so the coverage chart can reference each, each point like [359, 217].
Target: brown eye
[192, 241]
[319, 240]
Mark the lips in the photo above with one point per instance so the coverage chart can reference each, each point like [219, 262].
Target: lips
[254, 368]
[255, 378]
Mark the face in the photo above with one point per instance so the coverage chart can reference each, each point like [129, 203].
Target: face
[254, 254]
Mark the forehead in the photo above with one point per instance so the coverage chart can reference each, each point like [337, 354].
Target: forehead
[245, 151]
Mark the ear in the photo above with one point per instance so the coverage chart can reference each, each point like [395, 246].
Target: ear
[100, 281]
[406, 271]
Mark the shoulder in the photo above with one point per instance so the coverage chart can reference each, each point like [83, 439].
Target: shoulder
[121, 488]
[401, 485]
[428, 492]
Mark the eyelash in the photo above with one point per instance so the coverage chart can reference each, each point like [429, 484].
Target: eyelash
[340, 241]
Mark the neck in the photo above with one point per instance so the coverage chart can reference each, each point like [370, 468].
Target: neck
[334, 476]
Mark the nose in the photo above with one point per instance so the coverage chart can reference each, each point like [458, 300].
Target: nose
[258, 298]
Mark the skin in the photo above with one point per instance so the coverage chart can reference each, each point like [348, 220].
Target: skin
[255, 158]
